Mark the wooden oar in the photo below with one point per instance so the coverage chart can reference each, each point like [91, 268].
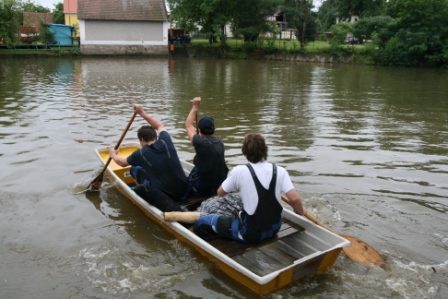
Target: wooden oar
[95, 185]
[197, 132]
[196, 119]
[359, 252]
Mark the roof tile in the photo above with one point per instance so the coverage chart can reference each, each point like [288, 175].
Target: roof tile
[123, 10]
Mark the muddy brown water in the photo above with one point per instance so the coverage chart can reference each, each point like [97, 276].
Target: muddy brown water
[366, 147]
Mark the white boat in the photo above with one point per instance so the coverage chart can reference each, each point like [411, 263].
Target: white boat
[300, 249]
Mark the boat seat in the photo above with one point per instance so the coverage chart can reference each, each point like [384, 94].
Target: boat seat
[233, 248]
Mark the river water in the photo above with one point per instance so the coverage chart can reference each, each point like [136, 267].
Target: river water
[366, 147]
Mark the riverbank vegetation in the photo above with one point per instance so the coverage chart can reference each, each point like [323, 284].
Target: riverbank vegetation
[11, 18]
[276, 49]
[393, 32]
[382, 32]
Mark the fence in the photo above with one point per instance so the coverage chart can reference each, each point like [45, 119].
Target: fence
[42, 47]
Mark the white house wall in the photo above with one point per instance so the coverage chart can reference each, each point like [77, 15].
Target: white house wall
[123, 37]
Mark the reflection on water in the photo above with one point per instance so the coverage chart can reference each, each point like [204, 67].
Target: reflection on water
[365, 147]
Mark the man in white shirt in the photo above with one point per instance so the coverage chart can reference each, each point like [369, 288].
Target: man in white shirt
[260, 184]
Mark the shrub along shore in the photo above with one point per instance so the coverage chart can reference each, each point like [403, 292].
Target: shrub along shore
[268, 49]
[288, 50]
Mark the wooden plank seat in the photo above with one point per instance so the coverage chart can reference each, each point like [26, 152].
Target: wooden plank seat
[234, 248]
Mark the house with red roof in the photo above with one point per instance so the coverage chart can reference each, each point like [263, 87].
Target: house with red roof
[32, 19]
[123, 27]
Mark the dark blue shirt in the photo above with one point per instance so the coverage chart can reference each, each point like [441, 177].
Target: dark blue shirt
[161, 162]
[211, 163]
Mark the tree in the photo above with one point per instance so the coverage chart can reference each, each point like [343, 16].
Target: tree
[340, 32]
[45, 35]
[299, 15]
[361, 8]
[209, 15]
[326, 16]
[249, 19]
[58, 13]
[10, 16]
[421, 34]
[393, 7]
[30, 6]
[380, 29]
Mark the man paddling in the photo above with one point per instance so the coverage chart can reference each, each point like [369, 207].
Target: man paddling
[156, 166]
[210, 168]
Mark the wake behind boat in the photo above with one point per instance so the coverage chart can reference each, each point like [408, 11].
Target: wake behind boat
[300, 249]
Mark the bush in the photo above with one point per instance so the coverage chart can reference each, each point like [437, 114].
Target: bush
[249, 47]
[338, 51]
[270, 48]
[394, 54]
[340, 32]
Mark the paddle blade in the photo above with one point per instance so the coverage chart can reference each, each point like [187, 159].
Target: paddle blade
[95, 185]
[361, 252]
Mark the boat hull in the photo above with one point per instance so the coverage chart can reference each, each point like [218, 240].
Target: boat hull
[307, 251]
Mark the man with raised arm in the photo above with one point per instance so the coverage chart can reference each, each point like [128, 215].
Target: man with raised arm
[210, 168]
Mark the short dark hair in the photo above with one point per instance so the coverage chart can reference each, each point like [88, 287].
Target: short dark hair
[148, 133]
[255, 148]
[207, 125]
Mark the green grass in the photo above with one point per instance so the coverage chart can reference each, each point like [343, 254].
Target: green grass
[281, 44]
[24, 51]
[268, 45]
[34, 50]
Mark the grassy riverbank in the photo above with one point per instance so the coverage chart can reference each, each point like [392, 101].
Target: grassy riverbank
[290, 45]
[39, 50]
[271, 49]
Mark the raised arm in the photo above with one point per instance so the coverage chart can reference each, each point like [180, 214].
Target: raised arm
[156, 124]
[191, 130]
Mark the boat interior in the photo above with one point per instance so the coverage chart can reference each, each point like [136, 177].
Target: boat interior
[291, 244]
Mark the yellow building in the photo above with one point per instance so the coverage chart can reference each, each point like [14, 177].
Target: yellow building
[71, 15]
